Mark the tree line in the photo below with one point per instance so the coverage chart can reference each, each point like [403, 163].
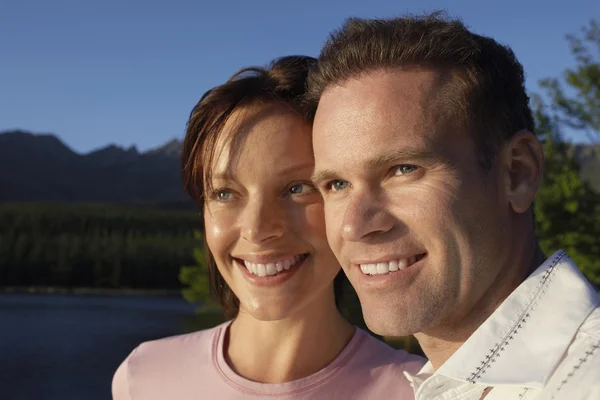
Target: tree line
[97, 246]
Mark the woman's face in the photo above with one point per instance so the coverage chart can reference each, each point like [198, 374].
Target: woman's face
[263, 218]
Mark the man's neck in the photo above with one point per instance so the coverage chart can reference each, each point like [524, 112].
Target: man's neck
[441, 342]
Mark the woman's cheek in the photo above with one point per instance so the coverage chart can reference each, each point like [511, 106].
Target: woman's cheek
[218, 227]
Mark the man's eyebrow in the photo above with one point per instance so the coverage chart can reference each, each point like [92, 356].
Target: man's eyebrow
[406, 155]
[323, 176]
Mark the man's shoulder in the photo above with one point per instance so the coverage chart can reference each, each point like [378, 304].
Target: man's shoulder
[578, 373]
[591, 326]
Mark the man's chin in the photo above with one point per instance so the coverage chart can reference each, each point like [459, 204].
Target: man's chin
[387, 321]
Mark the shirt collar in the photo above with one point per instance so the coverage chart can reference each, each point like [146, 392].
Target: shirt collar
[416, 380]
[524, 339]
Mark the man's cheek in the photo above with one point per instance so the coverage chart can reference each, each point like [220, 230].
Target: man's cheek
[331, 218]
[334, 236]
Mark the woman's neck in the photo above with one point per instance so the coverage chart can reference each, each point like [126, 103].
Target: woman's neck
[287, 349]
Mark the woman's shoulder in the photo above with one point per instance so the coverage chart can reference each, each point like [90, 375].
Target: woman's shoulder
[174, 347]
[374, 370]
[376, 353]
[163, 360]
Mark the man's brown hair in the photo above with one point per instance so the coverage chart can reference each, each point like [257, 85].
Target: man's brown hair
[283, 81]
[485, 89]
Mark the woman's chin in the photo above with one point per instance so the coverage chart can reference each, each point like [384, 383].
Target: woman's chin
[266, 311]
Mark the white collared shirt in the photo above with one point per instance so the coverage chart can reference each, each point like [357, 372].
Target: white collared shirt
[543, 342]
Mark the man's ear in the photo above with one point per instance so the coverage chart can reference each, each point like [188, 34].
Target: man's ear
[522, 158]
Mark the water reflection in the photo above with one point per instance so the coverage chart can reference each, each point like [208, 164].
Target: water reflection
[67, 347]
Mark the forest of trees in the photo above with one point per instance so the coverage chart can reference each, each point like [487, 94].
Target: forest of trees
[93, 246]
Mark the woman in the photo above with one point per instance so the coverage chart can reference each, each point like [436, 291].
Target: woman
[247, 161]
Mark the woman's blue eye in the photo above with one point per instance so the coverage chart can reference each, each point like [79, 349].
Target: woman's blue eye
[300, 188]
[223, 195]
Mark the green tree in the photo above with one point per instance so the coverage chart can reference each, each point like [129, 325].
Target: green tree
[566, 209]
[578, 105]
[195, 278]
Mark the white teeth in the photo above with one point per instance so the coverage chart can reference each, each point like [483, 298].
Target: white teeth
[402, 264]
[372, 268]
[386, 267]
[261, 269]
[271, 269]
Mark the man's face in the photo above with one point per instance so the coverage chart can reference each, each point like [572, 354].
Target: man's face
[417, 225]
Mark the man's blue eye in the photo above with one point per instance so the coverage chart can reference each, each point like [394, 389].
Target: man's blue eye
[405, 169]
[339, 184]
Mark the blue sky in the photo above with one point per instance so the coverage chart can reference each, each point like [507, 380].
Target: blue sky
[129, 72]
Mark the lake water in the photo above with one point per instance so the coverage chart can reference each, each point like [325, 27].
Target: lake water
[68, 347]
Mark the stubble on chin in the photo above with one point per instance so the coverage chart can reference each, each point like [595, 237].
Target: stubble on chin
[402, 314]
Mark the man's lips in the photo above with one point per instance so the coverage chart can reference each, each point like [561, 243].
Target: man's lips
[388, 264]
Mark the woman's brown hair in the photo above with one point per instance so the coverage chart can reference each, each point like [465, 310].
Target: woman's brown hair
[283, 81]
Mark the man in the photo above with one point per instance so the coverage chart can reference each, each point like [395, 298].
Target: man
[428, 164]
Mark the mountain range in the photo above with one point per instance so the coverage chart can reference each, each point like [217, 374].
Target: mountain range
[41, 168]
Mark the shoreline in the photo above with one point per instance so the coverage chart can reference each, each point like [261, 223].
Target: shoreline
[88, 291]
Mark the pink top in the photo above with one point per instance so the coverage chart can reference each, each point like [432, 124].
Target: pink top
[192, 366]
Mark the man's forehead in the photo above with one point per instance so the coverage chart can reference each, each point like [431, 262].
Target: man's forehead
[410, 98]
[384, 85]
[389, 108]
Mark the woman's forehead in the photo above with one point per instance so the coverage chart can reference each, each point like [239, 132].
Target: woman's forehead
[265, 132]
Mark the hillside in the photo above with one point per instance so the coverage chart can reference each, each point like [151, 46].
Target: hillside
[39, 167]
